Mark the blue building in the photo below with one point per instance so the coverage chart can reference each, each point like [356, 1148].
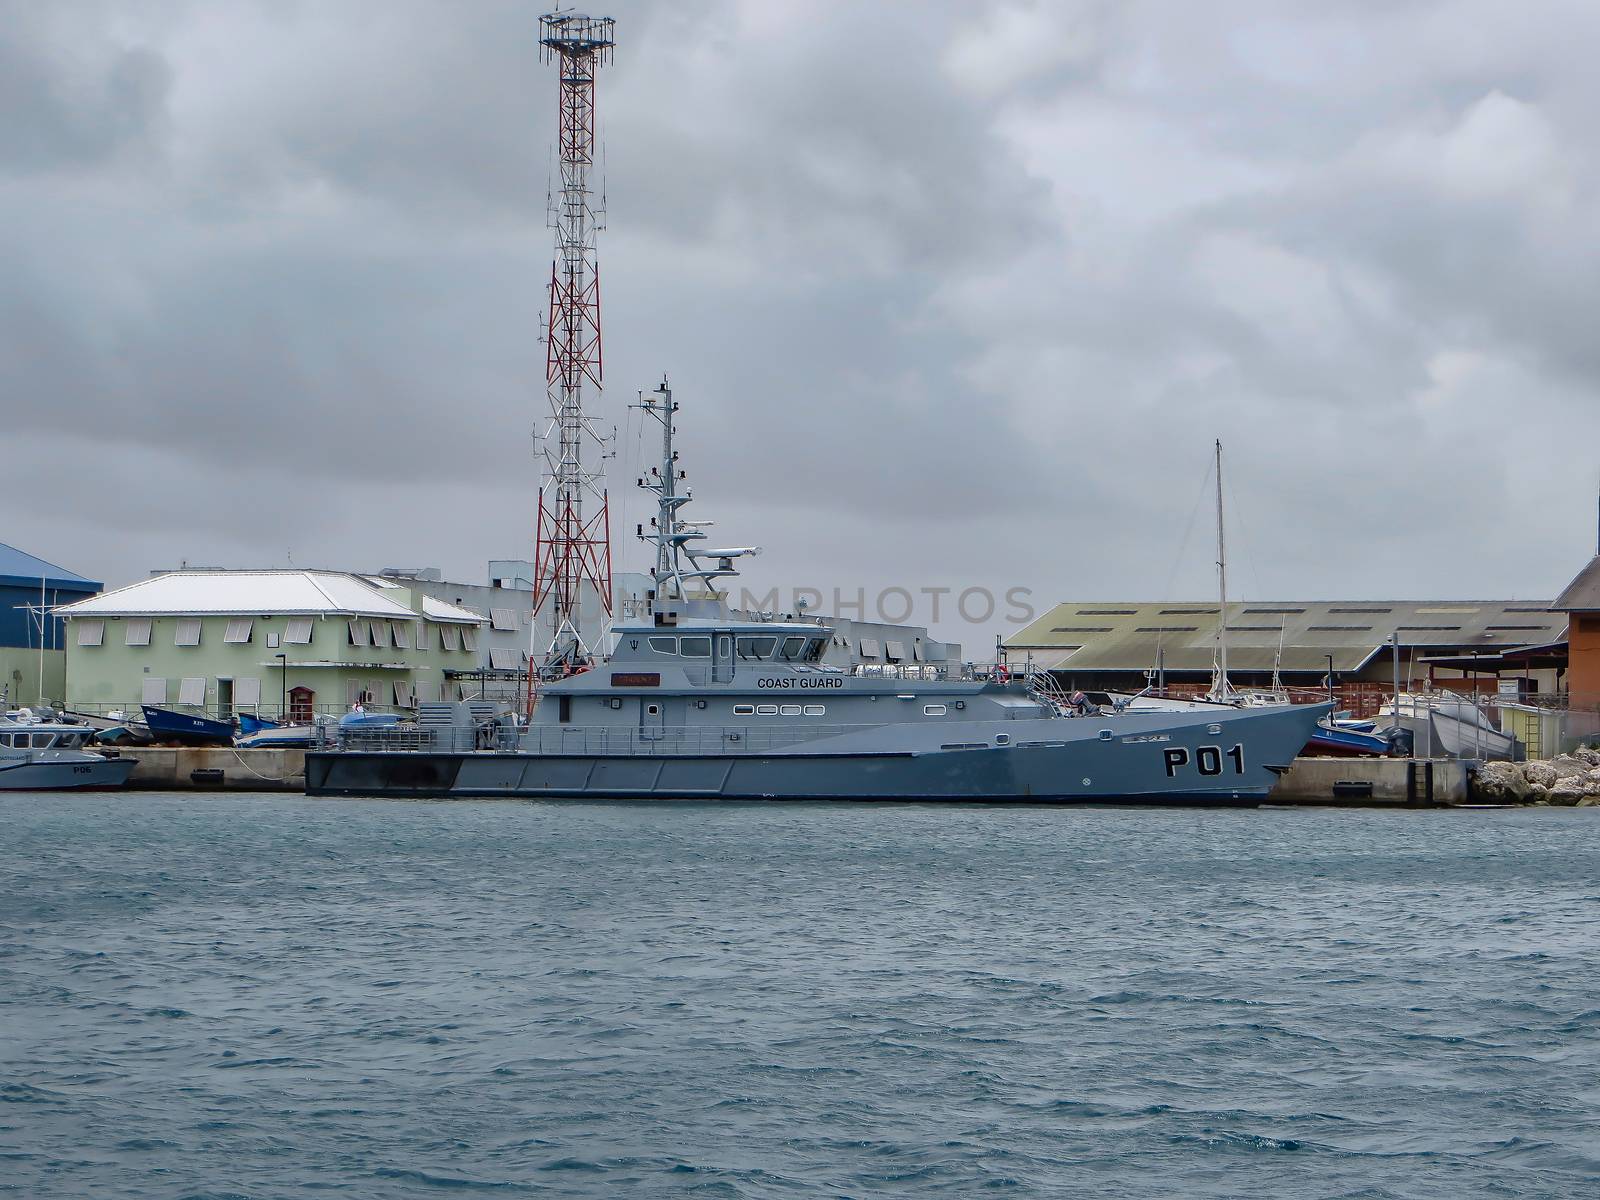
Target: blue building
[29, 585]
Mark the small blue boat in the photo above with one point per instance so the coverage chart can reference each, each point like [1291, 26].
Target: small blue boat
[249, 723]
[366, 720]
[1345, 741]
[186, 728]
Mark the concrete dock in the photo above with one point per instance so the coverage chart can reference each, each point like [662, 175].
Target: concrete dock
[1380, 782]
[216, 768]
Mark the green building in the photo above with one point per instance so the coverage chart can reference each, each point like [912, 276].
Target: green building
[295, 643]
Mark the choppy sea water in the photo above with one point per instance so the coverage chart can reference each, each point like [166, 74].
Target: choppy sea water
[269, 996]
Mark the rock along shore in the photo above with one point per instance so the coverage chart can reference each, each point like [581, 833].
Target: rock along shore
[1566, 781]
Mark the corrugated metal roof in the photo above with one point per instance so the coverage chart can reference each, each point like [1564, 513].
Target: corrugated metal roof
[1127, 636]
[439, 610]
[1583, 593]
[21, 567]
[202, 593]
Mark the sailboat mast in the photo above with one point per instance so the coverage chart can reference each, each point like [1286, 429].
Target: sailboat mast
[1222, 587]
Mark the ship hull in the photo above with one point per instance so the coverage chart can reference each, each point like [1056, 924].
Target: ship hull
[66, 774]
[1071, 761]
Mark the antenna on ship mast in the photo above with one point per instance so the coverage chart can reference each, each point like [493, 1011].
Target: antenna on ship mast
[675, 539]
[572, 551]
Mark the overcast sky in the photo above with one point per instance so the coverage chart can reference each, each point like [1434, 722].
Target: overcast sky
[952, 295]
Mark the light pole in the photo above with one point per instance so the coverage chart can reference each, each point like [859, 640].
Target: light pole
[283, 683]
[1330, 679]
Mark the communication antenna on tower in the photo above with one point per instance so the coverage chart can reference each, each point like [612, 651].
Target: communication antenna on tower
[572, 548]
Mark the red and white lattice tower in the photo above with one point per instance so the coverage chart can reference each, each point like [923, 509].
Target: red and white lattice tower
[572, 551]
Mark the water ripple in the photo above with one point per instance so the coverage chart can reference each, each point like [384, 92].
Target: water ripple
[231, 996]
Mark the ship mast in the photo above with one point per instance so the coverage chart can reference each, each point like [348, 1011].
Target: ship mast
[663, 480]
[674, 538]
[572, 552]
[1220, 689]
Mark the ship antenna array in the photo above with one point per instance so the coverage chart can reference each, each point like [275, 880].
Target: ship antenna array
[680, 556]
[664, 480]
[572, 546]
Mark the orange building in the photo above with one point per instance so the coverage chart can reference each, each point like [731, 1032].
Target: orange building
[1581, 602]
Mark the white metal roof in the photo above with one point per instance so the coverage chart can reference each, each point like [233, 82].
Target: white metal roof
[439, 610]
[203, 593]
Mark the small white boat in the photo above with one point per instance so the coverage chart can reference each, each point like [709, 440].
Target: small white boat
[43, 755]
[1448, 726]
[115, 728]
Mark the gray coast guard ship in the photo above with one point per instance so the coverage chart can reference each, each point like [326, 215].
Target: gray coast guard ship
[695, 704]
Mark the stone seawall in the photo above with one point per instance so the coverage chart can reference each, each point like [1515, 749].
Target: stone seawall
[176, 768]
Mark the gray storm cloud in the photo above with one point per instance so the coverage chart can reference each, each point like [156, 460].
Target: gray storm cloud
[951, 294]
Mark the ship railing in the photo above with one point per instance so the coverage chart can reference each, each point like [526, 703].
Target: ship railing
[961, 671]
[292, 714]
[601, 741]
[606, 741]
[393, 737]
[914, 671]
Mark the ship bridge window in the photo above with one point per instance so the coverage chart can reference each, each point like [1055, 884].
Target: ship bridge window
[755, 647]
[43, 741]
[793, 648]
[664, 645]
[694, 647]
[817, 648]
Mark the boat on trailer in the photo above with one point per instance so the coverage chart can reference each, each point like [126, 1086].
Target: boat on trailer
[695, 703]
